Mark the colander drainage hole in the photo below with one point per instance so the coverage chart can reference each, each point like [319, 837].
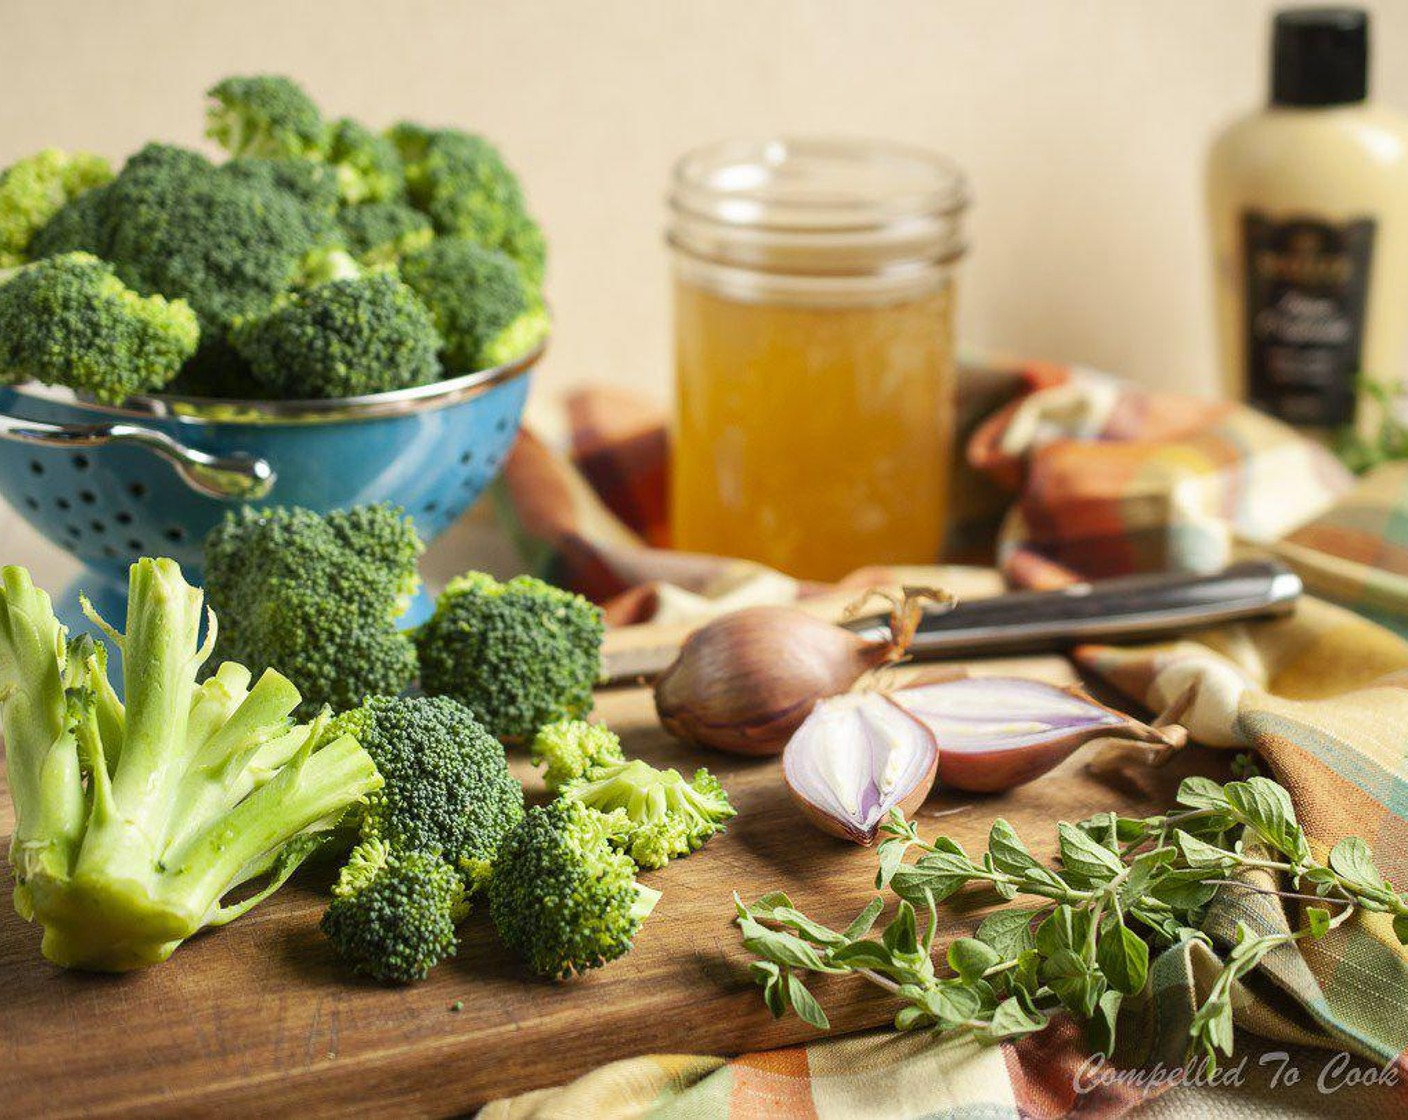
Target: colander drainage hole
[175, 534]
[430, 507]
[36, 467]
[97, 526]
[74, 531]
[137, 490]
[32, 503]
[80, 462]
[122, 517]
[87, 497]
[63, 503]
[109, 552]
[502, 425]
[466, 458]
[135, 545]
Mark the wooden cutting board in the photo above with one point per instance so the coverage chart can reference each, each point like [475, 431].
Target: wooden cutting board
[259, 1018]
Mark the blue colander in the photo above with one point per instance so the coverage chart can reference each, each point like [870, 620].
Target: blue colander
[153, 477]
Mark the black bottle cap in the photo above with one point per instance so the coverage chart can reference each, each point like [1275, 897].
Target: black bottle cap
[1320, 56]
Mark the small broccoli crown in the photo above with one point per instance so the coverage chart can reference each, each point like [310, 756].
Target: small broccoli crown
[447, 786]
[368, 165]
[520, 654]
[318, 597]
[524, 242]
[311, 183]
[393, 915]
[68, 320]
[460, 180]
[520, 338]
[668, 816]
[561, 896]
[379, 233]
[346, 338]
[573, 748]
[473, 292]
[34, 189]
[264, 115]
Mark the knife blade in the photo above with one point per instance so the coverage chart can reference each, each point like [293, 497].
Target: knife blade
[1123, 609]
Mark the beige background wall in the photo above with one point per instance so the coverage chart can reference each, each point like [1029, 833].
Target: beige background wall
[1083, 126]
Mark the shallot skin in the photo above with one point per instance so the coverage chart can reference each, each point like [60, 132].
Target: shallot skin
[745, 682]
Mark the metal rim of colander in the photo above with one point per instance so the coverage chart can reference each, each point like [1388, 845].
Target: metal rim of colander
[210, 410]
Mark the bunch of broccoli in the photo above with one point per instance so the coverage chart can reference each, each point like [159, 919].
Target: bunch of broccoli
[243, 245]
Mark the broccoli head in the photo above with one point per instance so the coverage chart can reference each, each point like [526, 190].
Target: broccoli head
[264, 115]
[226, 239]
[573, 748]
[561, 896]
[318, 596]
[367, 164]
[69, 321]
[447, 787]
[668, 816]
[462, 182]
[393, 915]
[379, 233]
[346, 338]
[36, 188]
[478, 298]
[519, 655]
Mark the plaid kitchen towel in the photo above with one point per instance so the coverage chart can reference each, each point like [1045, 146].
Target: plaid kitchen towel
[1105, 480]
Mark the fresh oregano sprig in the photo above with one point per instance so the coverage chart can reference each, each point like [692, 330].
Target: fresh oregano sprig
[1082, 937]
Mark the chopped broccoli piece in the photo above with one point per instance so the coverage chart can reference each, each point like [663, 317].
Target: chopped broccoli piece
[669, 816]
[573, 748]
[476, 295]
[226, 239]
[265, 115]
[379, 233]
[561, 896]
[368, 165]
[36, 188]
[345, 338]
[428, 837]
[447, 787]
[462, 182]
[137, 818]
[519, 655]
[69, 321]
[317, 596]
[393, 915]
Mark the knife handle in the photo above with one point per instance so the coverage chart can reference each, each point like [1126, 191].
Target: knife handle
[1124, 609]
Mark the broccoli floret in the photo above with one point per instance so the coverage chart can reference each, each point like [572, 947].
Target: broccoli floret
[136, 818]
[561, 896]
[36, 188]
[477, 296]
[314, 184]
[69, 321]
[668, 816]
[265, 115]
[317, 596]
[367, 164]
[393, 915]
[226, 239]
[573, 748]
[462, 182]
[447, 787]
[378, 233]
[519, 655]
[346, 338]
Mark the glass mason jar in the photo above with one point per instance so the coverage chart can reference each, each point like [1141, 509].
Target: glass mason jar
[814, 350]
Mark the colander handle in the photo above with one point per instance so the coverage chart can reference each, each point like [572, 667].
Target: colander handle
[230, 477]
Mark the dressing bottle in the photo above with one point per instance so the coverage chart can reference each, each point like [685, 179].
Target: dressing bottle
[1308, 201]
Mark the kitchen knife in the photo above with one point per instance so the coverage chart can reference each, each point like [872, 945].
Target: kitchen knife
[1124, 609]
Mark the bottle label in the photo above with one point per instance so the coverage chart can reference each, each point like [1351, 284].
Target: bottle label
[1307, 286]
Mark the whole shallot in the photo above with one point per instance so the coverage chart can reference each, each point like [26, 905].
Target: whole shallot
[745, 682]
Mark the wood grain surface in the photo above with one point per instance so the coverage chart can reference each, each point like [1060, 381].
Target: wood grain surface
[258, 1018]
